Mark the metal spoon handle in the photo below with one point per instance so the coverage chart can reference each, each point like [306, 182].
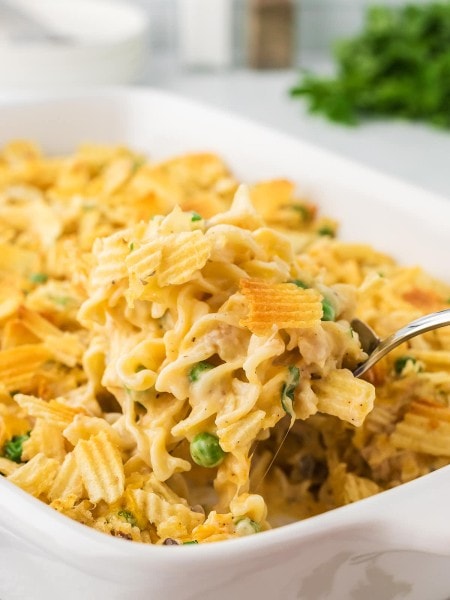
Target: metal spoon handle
[416, 327]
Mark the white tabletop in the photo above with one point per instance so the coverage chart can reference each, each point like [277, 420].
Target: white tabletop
[413, 152]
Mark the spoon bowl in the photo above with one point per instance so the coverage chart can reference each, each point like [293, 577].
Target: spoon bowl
[377, 348]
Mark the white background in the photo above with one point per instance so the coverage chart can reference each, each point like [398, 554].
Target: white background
[416, 153]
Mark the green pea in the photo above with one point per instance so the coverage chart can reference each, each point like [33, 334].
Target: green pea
[198, 369]
[206, 451]
[196, 217]
[401, 363]
[288, 390]
[328, 312]
[246, 526]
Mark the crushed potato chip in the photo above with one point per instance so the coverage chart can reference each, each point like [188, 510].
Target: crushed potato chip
[280, 305]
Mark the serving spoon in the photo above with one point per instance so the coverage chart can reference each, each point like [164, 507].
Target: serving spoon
[377, 348]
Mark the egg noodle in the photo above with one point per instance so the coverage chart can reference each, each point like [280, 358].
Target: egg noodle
[176, 350]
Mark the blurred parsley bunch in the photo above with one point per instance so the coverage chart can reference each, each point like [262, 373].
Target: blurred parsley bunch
[398, 66]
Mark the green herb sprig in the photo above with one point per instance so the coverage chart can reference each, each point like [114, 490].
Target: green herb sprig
[399, 66]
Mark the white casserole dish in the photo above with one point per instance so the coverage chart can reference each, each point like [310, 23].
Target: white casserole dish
[393, 545]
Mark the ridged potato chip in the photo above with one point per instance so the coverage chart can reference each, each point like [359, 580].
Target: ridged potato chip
[54, 411]
[7, 467]
[37, 475]
[183, 255]
[342, 395]
[46, 438]
[68, 482]
[424, 428]
[18, 366]
[100, 465]
[279, 306]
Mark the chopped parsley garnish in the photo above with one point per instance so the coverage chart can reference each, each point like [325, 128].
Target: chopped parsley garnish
[38, 277]
[13, 448]
[189, 543]
[326, 231]
[196, 217]
[62, 301]
[401, 363]
[303, 210]
[299, 283]
[137, 164]
[128, 516]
